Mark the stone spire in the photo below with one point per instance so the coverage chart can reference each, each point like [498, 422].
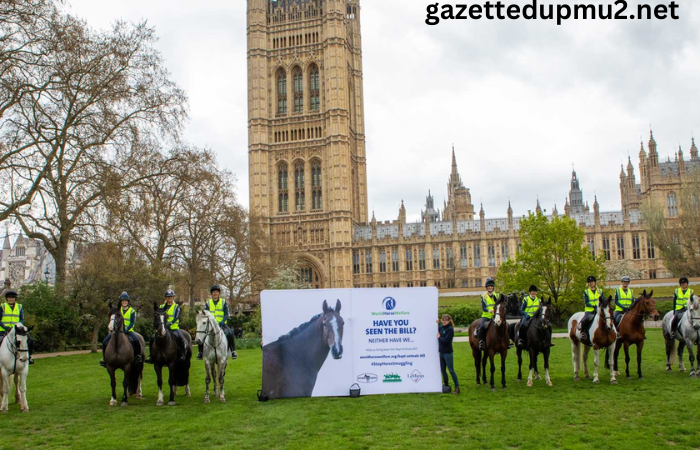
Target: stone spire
[555, 211]
[622, 173]
[6, 244]
[538, 209]
[402, 213]
[482, 218]
[681, 160]
[693, 151]
[630, 167]
[653, 155]
[576, 195]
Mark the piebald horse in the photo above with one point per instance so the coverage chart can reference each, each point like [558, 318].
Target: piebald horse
[497, 341]
[632, 330]
[14, 362]
[604, 337]
[688, 334]
[216, 352]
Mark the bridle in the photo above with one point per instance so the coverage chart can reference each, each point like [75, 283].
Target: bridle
[212, 334]
[13, 346]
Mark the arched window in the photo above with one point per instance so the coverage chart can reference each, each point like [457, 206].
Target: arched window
[281, 92]
[299, 186]
[282, 188]
[298, 89]
[314, 89]
[316, 189]
[672, 204]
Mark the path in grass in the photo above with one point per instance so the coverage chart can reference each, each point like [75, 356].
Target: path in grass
[68, 398]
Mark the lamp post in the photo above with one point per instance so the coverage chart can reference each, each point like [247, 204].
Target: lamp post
[46, 276]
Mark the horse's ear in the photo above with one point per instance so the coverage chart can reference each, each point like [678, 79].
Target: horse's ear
[155, 306]
[196, 310]
[325, 306]
[337, 306]
[651, 294]
[30, 328]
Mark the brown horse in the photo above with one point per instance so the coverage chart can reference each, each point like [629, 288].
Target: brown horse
[604, 336]
[119, 354]
[632, 330]
[497, 341]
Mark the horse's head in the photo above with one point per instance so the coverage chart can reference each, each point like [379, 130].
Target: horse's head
[206, 324]
[22, 342]
[546, 313]
[333, 328]
[499, 311]
[605, 312]
[694, 310]
[116, 321]
[647, 305]
[159, 320]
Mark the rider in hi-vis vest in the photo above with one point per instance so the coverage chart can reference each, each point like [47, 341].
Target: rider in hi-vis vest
[488, 308]
[680, 304]
[590, 299]
[129, 322]
[530, 304]
[219, 309]
[623, 300]
[172, 311]
[12, 313]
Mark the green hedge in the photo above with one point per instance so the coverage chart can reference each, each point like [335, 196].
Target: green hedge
[462, 315]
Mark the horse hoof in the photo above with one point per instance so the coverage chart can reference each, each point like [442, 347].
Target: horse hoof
[206, 400]
[682, 370]
[188, 395]
[139, 397]
[113, 403]
[159, 403]
[25, 410]
[549, 383]
[613, 381]
[577, 379]
[588, 377]
[222, 400]
[493, 389]
[641, 378]
[171, 403]
[538, 377]
[529, 384]
[668, 369]
[124, 404]
[596, 381]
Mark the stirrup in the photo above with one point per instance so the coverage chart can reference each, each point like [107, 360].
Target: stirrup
[149, 360]
[521, 343]
[31, 361]
[138, 359]
[103, 363]
[234, 355]
[200, 356]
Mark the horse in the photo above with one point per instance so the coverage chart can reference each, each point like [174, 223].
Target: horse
[164, 353]
[688, 335]
[497, 341]
[632, 330]
[14, 360]
[119, 354]
[216, 352]
[292, 362]
[538, 339]
[604, 336]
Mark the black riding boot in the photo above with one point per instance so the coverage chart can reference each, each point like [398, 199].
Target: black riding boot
[231, 343]
[200, 355]
[137, 350]
[102, 361]
[181, 353]
[674, 326]
[149, 360]
[482, 335]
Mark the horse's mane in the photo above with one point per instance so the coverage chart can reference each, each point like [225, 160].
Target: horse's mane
[299, 329]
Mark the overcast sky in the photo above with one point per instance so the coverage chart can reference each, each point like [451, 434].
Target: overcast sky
[521, 101]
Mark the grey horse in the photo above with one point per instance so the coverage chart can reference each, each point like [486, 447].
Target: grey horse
[688, 334]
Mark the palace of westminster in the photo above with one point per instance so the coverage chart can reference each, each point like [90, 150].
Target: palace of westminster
[308, 175]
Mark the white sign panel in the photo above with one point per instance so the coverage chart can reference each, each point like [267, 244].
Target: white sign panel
[321, 342]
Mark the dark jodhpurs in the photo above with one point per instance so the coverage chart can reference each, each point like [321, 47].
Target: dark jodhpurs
[677, 315]
[586, 322]
[483, 328]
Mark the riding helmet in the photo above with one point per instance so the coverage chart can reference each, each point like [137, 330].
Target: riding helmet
[124, 296]
[590, 278]
[533, 288]
[682, 280]
[490, 282]
[11, 293]
[626, 279]
[170, 293]
[214, 288]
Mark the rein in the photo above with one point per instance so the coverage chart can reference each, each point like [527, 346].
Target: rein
[213, 335]
[14, 348]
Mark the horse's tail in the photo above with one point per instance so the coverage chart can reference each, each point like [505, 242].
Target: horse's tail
[674, 350]
[134, 377]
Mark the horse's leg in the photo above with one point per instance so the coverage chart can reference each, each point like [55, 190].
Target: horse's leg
[691, 357]
[484, 359]
[5, 392]
[537, 371]
[545, 356]
[586, 351]
[18, 398]
[640, 346]
[627, 359]
[576, 358]
[207, 380]
[520, 363]
[222, 375]
[127, 374]
[596, 362]
[476, 354]
[159, 376]
[618, 346]
[23, 391]
[503, 368]
[113, 383]
[173, 386]
[681, 346]
[492, 356]
[531, 366]
[610, 354]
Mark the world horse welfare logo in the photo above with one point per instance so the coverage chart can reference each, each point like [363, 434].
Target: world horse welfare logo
[389, 303]
[415, 376]
[391, 378]
[367, 378]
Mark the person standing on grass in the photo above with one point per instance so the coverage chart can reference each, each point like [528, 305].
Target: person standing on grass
[446, 333]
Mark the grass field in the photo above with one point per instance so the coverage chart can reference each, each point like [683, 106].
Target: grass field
[68, 398]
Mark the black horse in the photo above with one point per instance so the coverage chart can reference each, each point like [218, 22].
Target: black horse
[538, 340]
[291, 363]
[119, 354]
[164, 353]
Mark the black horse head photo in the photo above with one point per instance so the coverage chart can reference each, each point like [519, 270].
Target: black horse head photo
[292, 362]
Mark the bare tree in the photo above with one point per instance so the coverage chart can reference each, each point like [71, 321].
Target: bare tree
[113, 93]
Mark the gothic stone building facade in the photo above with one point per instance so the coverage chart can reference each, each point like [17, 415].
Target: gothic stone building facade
[308, 178]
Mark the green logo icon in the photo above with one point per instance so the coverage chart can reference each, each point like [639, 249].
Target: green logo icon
[391, 378]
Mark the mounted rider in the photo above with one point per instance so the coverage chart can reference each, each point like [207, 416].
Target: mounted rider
[591, 296]
[624, 297]
[530, 304]
[172, 311]
[219, 309]
[681, 296]
[11, 314]
[129, 316]
[488, 308]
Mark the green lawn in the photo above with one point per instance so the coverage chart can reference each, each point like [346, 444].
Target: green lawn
[68, 398]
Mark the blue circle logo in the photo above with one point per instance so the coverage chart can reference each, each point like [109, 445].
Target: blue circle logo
[389, 303]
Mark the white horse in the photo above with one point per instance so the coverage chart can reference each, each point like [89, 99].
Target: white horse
[687, 334]
[602, 336]
[14, 360]
[216, 352]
